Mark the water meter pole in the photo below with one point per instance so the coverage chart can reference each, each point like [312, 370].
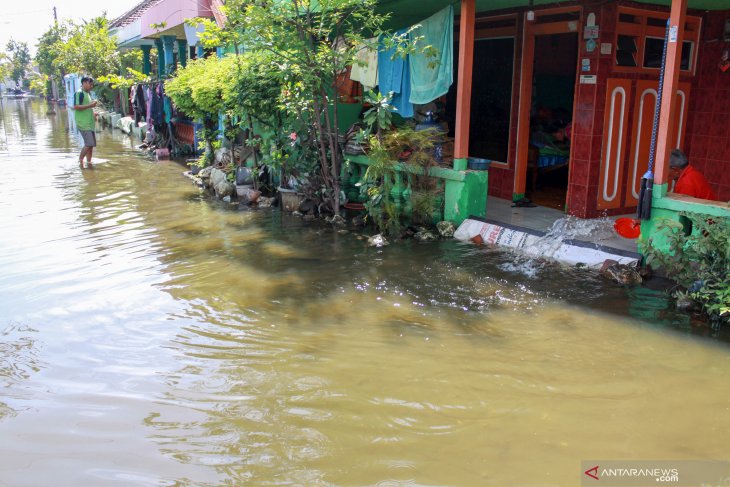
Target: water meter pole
[643, 211]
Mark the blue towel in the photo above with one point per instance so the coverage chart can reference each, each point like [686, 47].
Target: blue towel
[394, 75]
[429, 83]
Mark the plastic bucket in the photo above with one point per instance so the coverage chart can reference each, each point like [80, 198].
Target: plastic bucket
[628, 227]
[290, 199]
[477, 164]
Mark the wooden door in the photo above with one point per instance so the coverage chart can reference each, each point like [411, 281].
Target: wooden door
[615, 128]
[643, 119]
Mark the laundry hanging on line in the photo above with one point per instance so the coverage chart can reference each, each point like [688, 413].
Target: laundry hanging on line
[366, 69]
[394, 76]
[430, 82]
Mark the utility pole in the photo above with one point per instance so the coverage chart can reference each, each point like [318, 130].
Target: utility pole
[54, 87]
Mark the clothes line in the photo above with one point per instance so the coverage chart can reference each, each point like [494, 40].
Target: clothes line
[417, 78]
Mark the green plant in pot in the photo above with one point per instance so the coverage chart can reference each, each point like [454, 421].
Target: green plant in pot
[397, 181]
[379, 117]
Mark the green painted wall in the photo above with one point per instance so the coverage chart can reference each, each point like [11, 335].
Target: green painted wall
[466, 198]
[670, 207]
[465, 192]
[347, 114]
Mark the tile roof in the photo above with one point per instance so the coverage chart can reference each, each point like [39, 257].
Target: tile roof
[134, 13]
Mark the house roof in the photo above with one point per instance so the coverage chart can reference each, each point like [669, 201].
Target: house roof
[133, 14]
[220, 16]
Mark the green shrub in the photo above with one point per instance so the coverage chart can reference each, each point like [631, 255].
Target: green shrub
[699, 262]
[419, 190]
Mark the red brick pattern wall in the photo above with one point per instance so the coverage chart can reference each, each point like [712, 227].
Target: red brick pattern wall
[590, 101]
[708, 125]
[588, 113]
[707, 138]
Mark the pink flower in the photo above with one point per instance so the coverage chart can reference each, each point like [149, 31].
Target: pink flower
[293, 136]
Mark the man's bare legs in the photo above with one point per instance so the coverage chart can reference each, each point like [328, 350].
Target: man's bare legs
[82, 155]
[86, 152]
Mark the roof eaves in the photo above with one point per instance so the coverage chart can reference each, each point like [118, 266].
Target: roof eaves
[134, 13]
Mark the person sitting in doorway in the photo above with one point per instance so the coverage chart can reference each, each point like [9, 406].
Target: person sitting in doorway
[689, 181]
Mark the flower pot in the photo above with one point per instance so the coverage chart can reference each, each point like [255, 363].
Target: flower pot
[290, 199]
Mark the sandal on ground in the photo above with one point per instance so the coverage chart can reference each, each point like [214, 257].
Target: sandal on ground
[523, 203]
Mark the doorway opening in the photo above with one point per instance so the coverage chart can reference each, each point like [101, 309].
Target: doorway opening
[551, 112]
[491, 98]
[493, 75]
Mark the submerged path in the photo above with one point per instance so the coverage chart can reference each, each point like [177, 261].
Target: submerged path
[150, 337]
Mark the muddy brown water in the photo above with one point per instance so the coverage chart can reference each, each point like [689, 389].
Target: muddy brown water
[152, 337]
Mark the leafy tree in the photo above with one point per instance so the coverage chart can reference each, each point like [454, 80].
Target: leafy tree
[6, 66]
[311, 43]
[19, 59]
[87, 48]
[49, 47]
[117, 81]
[90, 49]
[39, 84]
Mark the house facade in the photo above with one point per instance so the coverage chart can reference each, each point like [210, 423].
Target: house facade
[595, 69]
[585, 73]
[160, 25]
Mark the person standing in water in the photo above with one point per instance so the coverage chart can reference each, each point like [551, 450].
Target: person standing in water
[84, 116]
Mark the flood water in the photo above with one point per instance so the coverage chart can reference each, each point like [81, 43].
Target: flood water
[150, 336]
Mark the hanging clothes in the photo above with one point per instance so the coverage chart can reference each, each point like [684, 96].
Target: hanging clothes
[156, 108]
[148, 103]
[367, 73]
[132, 94]
[429, 83]
[394, 75]
[167, 108]
[140, 104]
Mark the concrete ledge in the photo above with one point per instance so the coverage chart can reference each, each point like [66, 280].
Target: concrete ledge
[436, 171]
[465, 192]
[534, 244]
[680, 202]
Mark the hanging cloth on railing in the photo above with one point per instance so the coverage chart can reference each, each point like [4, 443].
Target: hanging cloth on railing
[427, 82]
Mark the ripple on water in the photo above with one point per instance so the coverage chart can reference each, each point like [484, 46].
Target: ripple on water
[173, 340]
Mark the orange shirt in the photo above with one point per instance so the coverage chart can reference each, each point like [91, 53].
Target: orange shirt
[692, 183]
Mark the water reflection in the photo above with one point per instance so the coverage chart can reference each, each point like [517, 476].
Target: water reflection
[180, 341]
[19, 361]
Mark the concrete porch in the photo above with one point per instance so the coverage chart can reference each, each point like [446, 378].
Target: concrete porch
[540, 219]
